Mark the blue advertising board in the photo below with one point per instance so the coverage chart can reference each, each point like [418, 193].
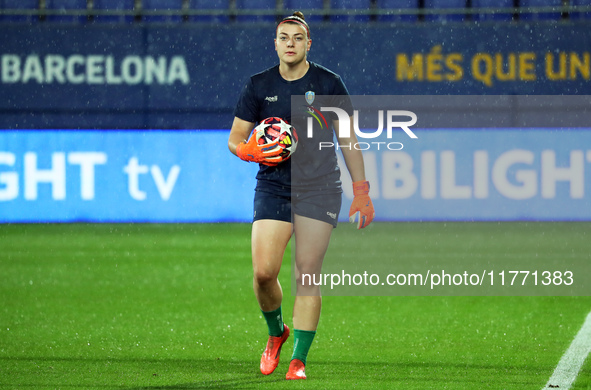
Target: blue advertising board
[481, 175]
[102, 176]
[190, 176]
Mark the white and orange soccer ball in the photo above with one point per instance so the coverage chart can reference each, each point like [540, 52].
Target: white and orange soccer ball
[274, 128]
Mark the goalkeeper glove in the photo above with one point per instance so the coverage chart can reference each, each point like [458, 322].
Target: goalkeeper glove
[267, 154]
[362, 207]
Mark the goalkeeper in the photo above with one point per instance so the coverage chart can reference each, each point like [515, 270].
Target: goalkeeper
[300, 196]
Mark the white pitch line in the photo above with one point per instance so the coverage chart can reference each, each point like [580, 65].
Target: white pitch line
[571, 362]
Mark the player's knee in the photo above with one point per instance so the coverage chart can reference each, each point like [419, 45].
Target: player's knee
[264, 277]
[308, 277]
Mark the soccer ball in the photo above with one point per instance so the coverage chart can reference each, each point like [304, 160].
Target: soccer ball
[272, 128]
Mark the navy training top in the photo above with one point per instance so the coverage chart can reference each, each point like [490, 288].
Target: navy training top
[268, 94]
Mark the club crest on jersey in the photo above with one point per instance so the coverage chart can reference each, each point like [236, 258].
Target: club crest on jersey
[310, 97]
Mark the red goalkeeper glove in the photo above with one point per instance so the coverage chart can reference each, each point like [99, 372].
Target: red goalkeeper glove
[267, 154]
[362, 207]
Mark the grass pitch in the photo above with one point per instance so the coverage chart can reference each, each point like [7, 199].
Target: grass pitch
[171, 307]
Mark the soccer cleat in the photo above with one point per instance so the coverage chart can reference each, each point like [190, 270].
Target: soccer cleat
[297, 370]
[270, 358]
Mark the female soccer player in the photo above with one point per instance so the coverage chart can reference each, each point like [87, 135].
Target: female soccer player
[299, 196]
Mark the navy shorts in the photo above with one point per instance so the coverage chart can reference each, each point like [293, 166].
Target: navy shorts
[320, 205]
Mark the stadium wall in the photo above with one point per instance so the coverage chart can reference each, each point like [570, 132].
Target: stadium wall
[189, 76]
[129, 86]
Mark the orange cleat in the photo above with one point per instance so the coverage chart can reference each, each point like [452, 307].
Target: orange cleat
[297, 370]
[270, 358]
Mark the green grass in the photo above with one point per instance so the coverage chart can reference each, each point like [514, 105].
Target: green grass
[171, 307]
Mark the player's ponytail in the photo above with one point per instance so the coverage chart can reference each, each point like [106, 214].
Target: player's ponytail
[296, 18]
[299, 14]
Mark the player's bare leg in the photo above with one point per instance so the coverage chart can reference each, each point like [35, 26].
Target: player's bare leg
[269, 240]
[311, 242]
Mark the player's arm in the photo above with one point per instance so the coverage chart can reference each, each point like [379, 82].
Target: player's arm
[239, 133]
[362, 206]
[247, 148]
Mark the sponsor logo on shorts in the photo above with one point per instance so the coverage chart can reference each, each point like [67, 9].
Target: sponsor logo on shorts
[271, 99]
[332, 215]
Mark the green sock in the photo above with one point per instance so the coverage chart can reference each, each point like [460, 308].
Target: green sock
[274, 321]
[303, 341]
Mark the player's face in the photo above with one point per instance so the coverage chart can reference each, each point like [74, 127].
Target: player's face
[292, 43]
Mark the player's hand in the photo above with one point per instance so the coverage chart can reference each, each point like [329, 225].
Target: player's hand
[267, 154]
[362, 207]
